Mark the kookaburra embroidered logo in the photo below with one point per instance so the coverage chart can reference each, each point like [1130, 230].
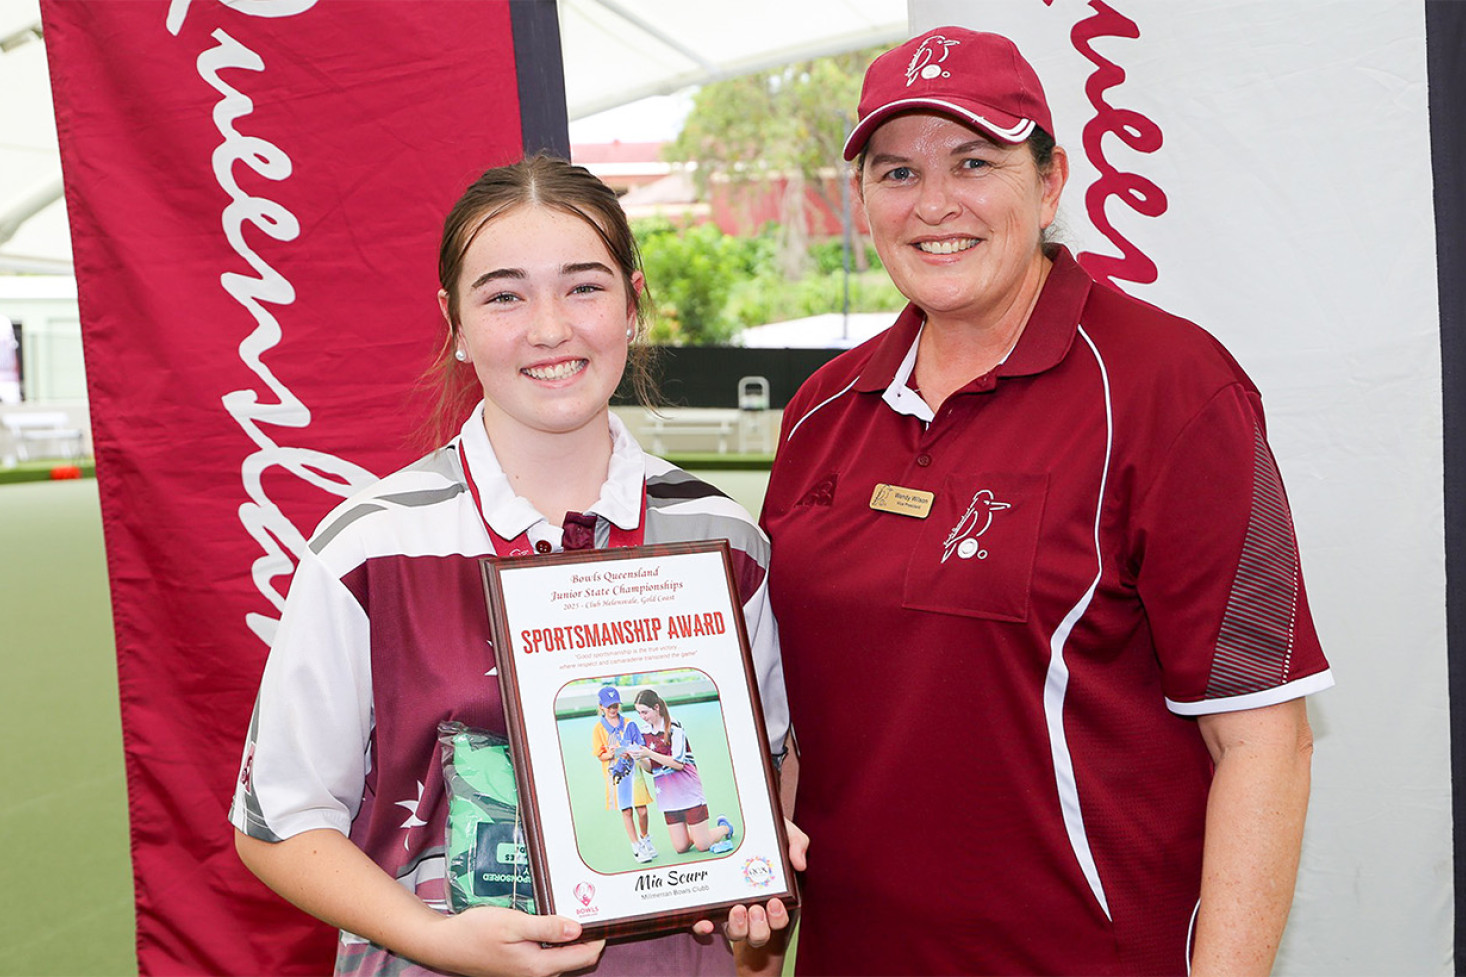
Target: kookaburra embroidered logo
[926, 63]
[974, 522]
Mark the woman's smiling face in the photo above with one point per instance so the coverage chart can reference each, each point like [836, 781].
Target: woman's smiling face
[957, 218]
[544, 317]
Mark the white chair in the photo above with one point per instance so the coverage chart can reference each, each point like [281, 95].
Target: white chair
[753, 427]
[43, 434]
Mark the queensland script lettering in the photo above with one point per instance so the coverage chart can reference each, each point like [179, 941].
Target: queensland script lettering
[271, 404]
[1134, 129]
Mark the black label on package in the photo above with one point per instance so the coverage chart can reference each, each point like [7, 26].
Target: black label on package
[500, 861]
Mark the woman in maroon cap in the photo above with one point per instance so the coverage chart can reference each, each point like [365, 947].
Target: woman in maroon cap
[1041, 519]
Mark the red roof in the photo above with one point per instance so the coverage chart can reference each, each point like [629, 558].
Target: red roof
[589, 153]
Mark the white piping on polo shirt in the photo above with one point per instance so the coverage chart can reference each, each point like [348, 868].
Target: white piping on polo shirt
[1296, 689]
[1191, 935]
[898, 395]
[1056, 683]
[901, 398]
[810, 413]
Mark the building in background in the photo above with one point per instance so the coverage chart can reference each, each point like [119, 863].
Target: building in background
[650, 186]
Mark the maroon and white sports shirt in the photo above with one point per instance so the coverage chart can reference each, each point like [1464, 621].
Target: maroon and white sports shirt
[1000, 768]
[386, 634]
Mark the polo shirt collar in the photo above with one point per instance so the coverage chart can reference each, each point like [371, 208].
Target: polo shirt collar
[898, 394]
[509, 514]
[1054, 321]
[1042, 346]
[893, 348]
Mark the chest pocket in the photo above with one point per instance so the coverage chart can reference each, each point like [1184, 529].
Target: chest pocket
[974, 555]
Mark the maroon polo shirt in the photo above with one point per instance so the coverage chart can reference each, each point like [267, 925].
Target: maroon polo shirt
[1000, 769]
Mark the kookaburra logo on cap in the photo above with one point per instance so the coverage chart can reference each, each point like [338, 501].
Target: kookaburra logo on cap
[926, 63]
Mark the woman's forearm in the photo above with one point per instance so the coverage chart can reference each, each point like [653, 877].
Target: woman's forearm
[1254, 833]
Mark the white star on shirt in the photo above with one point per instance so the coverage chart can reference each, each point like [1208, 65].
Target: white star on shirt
[412, 819]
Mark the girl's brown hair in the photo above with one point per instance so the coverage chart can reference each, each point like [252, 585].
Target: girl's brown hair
[650, 699]
[540, 181]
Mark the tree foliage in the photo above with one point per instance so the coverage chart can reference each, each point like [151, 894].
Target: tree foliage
[707, 286]
[792, 118]
[690, 274]
[789, 122]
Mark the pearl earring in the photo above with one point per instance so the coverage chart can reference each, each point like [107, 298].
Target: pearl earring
[460, 355]
[631, 333]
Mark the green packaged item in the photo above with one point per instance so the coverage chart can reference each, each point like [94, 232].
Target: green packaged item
[488, 864]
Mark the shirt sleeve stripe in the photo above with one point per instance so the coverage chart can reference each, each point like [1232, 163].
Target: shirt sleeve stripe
[1255, 641]
[1296, 689]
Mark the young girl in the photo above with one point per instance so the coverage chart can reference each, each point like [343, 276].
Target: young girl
[611, 737]
[340, 803]
[668, 755]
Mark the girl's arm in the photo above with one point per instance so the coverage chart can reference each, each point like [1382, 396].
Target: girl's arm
[677, 740]
[323, 873]
[601, 743]
[646, 757]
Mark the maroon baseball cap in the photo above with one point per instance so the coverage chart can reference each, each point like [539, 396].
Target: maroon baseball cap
[976, 78]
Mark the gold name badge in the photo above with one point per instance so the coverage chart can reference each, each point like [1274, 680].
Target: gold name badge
[902, 501]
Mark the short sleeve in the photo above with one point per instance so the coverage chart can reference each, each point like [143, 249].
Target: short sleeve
[678, 738]
[768, 664]
[305, 760]
[1218, 568]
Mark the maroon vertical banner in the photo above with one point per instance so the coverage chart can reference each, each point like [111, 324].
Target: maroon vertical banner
[255, 191]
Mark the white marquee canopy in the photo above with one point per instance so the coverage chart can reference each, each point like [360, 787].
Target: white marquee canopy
[615, 52]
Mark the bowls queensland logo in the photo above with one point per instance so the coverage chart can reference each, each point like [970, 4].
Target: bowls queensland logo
[586, 893]
[758, 872]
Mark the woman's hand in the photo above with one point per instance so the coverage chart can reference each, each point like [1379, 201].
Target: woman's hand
[798, 846]
[491, 942]
[756, 924]
[753, 924]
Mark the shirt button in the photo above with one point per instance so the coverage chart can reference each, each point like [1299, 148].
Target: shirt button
[923, 460]
[543, 546]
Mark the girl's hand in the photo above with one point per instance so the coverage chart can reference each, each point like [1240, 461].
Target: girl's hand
[488, 941]
[322, 872]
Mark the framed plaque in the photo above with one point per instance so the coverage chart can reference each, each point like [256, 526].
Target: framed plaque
[627, 682]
